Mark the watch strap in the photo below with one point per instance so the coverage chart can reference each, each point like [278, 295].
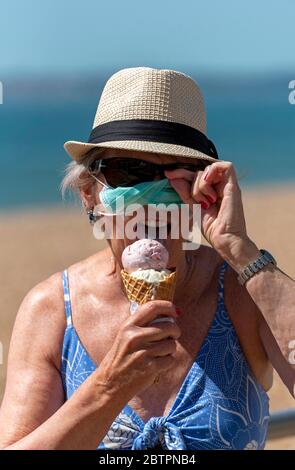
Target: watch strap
[252, 268]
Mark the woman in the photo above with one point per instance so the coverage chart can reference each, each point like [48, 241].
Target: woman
[84, 373]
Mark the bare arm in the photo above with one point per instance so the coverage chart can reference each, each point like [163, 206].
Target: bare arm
[224, 227]
[273, 293]
[80, 423]
[34, 415]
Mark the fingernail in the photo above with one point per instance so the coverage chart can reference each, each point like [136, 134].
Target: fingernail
[206, 175]
[211, 199]
[178, 311]
[204, 205]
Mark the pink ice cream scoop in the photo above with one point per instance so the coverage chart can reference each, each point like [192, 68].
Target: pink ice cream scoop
[145, 254]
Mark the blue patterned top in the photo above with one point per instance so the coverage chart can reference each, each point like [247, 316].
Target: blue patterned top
[220, 404]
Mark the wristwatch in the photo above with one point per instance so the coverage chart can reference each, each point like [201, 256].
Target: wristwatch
[263, 260]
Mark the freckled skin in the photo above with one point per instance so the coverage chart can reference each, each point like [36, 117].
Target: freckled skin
[99, 309]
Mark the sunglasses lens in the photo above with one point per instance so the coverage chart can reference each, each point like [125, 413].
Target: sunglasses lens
[129, 171]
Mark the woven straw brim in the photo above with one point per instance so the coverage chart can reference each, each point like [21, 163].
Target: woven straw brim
[78, 150]
[141, 291]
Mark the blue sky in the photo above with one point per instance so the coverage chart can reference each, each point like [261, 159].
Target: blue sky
[209, 35]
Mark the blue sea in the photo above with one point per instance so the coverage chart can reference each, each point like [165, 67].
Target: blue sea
[249, 119]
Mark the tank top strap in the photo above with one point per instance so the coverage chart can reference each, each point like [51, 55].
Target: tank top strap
[67, 298]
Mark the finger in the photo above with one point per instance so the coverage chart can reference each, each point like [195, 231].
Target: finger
[155, 333]
[218, 176]
[203, 192]
[162, 348]
[183, 188]
[163, 319]
[180, 173]
[151, 310]
[214, 173]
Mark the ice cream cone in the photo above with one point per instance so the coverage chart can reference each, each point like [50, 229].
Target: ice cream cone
[141, 291]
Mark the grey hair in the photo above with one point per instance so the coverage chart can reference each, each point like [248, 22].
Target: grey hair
[77, 175]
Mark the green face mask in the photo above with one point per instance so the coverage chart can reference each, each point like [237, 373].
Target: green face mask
[115, 200]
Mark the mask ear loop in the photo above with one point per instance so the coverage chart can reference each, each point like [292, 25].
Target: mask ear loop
[100, 182]
[105, 186]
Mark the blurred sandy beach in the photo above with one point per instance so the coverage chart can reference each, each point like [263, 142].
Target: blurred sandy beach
[35, 244]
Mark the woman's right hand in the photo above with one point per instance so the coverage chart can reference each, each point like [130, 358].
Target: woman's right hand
[141, 351]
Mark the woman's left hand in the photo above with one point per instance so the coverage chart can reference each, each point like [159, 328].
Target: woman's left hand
[223, 222]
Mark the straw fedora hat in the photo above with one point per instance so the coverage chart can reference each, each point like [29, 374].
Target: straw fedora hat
[149, 110]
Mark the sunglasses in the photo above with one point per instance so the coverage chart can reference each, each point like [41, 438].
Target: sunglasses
[130, 171]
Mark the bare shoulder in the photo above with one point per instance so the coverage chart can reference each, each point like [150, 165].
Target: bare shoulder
[41, 321]
[46, 295]
[33, 389]
[42, 309]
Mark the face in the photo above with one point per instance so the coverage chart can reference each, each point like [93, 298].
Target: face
[173, 246]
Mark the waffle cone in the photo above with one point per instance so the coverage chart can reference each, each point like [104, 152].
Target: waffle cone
[141, 291]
